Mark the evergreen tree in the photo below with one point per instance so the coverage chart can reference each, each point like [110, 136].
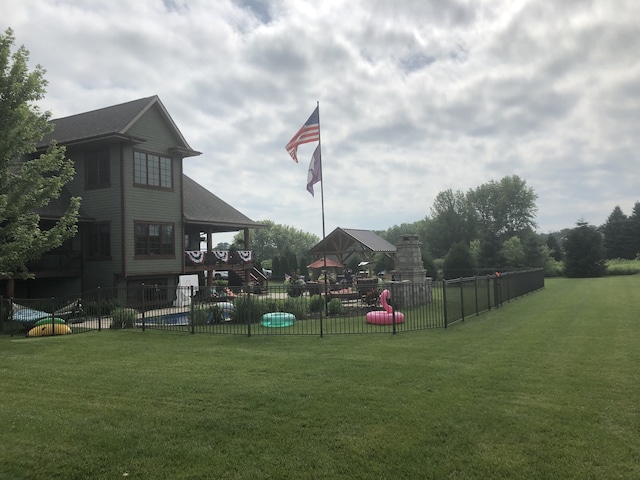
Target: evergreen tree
[634, 231]
[616, 231]
[28, 181]
[458, 262]
[555, 249]
[584, 254]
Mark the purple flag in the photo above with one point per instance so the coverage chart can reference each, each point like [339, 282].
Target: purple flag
[315, 170]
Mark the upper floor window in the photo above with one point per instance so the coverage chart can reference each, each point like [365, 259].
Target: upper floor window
[154, 239]
[100, 240]
[96, 167]
[152, 170]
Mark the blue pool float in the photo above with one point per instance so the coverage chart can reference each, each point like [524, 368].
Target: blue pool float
[278, 319]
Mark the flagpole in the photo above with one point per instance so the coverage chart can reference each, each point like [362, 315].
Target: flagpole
[324, 243]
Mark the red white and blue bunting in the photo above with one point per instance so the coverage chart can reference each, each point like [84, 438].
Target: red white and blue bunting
[196, 256]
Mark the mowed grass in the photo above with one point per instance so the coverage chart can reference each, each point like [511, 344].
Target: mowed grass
[547, 387]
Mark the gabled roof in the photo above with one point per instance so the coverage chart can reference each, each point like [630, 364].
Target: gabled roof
[203, 207]
[344, 242]
[110, 122]
[57, 207]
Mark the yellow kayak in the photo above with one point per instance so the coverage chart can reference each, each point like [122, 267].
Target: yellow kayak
[46, 330]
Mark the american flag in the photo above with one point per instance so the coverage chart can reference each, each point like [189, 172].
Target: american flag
[310, 132]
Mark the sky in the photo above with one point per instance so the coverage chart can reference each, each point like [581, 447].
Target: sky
[415, 97]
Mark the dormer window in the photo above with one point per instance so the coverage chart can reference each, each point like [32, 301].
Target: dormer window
[152, 170]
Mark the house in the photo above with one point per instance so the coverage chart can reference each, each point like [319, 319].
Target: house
[142, 219]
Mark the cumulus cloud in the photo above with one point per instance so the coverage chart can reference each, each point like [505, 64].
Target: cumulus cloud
[415, 97]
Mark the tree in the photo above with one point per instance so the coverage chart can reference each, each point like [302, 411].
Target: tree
[584, 254]
[269, 242]
[555, 249]
[634, 230]
[513, 253]
[458, 261]
[453, 220]
[28, 182]
[617, 238]
[504, 208]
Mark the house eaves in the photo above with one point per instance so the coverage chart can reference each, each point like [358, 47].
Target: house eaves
[202, 207]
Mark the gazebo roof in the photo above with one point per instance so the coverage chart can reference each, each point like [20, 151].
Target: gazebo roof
[342, 243]
[330, 264]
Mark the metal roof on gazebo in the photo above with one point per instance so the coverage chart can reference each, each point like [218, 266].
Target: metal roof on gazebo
[342, 243]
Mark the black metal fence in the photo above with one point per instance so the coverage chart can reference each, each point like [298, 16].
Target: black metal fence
[278, 310]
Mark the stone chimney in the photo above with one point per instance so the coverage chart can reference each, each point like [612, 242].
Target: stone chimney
[410, 286]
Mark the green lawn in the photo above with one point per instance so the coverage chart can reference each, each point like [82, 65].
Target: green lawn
[547, 387]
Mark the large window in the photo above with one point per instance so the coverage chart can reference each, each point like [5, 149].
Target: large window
[152, 170]
[100, 241]
[96, 167]
[154, 239]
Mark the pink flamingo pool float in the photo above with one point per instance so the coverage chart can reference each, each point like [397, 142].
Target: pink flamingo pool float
[384, 317]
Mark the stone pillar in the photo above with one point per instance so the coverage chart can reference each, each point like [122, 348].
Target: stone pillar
[410, 287]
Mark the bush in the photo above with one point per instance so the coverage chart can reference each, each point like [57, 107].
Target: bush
[623, 267]
[205, 313]
[123, 318]
[335, 306]
[248, 309]
[299, 307]
[553, 268]
[316, 303]
[94, 308]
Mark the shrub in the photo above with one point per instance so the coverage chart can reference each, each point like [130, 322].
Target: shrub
[316, 303]
[123, 318]
[94, 308]
[247, 308]
[335, 306]
[553, 268]
[203, 314]
[298, 306]
[623, 267]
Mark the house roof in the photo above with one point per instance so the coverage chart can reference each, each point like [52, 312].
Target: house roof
[110, 122]
[344, 242]
[57, 207]
[203, 207]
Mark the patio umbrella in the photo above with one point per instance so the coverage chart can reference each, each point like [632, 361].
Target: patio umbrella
[330, 264]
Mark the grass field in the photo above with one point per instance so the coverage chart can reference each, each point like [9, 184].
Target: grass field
[546, 387]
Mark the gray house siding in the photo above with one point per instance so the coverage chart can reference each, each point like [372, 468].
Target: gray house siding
[104, 206]
[153, 205]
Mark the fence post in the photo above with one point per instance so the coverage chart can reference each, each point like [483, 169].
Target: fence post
[250, 314]
[488, 292]
[99, 309]
[461, 299]
[444, 301]
[393, 311]
[144, 303]
[53, 318]
[475, 284]
[192, 316]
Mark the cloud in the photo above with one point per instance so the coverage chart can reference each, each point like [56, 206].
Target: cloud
[415, 97]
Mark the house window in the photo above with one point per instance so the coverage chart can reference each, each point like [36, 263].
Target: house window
[96, 167]
[154, 239]
[152, 170]
[100, 240]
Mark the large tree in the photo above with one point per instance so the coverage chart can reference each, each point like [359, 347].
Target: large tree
[28, 181]
[584, 254]
[453, 220]
[504, 208]
[617, 235]
[272, 241]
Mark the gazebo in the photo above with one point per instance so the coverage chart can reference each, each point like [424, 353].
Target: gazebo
[342, 243]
